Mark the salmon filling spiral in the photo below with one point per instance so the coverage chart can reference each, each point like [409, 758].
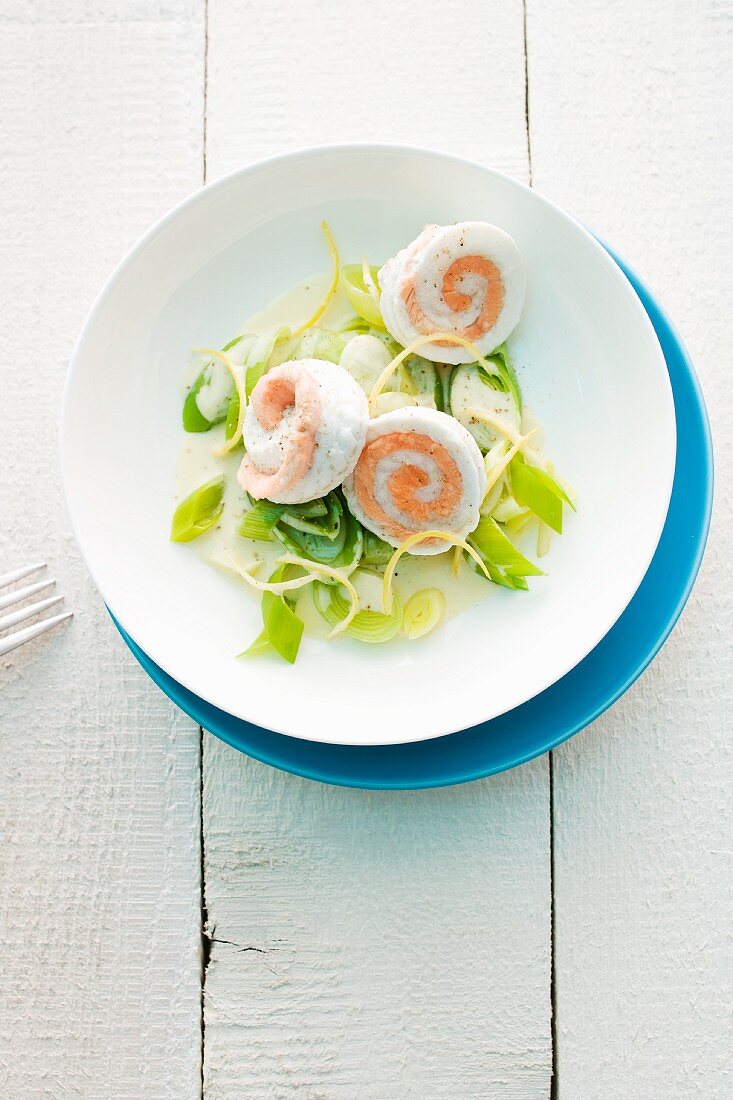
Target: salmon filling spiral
[285, 387]
[490, 302]
[408, 485]
[419, 471]
[304, 429]
[466, 280]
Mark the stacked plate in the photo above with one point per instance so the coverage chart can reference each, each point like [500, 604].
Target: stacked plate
[149, 599]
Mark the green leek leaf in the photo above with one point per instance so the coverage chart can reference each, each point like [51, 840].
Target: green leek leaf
[193, 419]
[376, 550]
[497, 550]
[283, 628]
[537, 490]
[198, 512]
[505, 371]
[326, 525]
[258, 523]
[261, 644]
[362, 302]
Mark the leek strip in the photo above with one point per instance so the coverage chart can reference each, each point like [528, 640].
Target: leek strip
[457, 559]
[258, 353]
[334, 282]
[343, 552]
[369, 283]
[544, 539]
[421, 342]
[363, 294]
[517, 525]
[508, 432]
[501, 467]
[261, 644]
[258, 523]
[193, 419]
[505, 371]
[413, 540]
[232, 442]
[508, 510]
[326, 528]
[198, 512]
[499, 552]
[376, 551]
[283, 627]
[535, 489]
[326, 571]
[321, 343]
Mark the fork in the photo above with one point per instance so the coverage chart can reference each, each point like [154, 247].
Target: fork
[18, 637]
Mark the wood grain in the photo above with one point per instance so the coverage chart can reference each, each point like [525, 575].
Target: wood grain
[372, 945]
[630, 130]
[100, 911]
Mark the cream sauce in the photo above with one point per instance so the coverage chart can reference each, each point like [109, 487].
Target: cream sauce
[221, 546]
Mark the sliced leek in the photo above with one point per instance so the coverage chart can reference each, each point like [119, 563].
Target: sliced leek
[360, 287]
[198, 512]
[237, 375]
[321, 343]
[282, 626]
[261, 644]
[258, 523]
[421, 342]
[503, 463]
[508, 431]
[334, 575]
[194, 420]
[538, 490]
[505, 371]
[423, 611]
[366, 626]
[499, 552]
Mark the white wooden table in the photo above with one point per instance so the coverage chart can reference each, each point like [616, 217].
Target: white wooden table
[557, 931]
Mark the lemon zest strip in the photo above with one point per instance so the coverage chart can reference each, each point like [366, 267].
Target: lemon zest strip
[222, 356]
[421, 342]
[336, 269]
[326, 571]
[413, 540]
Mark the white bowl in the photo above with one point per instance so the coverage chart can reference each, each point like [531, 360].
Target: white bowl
[590, 366]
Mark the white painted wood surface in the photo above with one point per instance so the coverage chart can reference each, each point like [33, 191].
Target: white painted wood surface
[363, 945]
[630, 111]
[372, 945]
[99, 821]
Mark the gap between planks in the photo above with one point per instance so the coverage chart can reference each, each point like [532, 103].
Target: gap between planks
[205, 935]
[205, 940]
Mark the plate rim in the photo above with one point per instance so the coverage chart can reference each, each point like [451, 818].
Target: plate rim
[202, 712]
[263, 166]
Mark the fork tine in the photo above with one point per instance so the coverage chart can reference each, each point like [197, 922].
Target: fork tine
[18, 574]
[14, 640]
[16, 617]
[23, 593]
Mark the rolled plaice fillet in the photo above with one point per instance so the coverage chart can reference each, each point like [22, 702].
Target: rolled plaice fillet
[303, 431]
[420, 470]
[466, 279]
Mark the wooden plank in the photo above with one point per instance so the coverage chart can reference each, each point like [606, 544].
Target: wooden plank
[630, 130]
[372, 945]
[100, 910]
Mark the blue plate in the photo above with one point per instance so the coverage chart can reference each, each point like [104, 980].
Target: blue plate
[570, 704]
